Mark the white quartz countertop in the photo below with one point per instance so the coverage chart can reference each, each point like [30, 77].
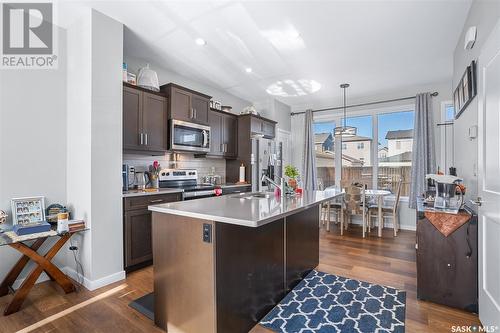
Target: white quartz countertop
[241, 210]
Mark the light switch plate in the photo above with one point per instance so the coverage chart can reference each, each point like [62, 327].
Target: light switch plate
[473, 132]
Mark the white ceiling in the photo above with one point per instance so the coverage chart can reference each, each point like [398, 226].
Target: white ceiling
[376, 46]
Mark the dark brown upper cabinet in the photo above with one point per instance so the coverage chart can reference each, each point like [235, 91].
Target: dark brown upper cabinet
[261, 126]
[186, 104]
[223, 134]
[144, 120]
[230, 135]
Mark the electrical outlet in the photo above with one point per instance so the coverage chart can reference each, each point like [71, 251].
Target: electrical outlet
[75, 243]
[207, 233]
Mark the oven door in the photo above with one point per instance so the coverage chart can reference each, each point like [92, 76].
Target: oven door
[189, 136]
[198, 194]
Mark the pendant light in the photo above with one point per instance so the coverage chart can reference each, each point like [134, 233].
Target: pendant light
[345, 131]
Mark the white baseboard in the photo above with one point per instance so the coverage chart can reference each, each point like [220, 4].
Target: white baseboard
[89, 284]
[94, 284]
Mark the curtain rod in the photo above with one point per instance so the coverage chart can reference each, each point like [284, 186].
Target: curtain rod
[434, 94]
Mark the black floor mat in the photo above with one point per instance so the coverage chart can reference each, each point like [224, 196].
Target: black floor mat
[145, 305]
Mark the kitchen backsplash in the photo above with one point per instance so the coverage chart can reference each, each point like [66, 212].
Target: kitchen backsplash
[179, 161]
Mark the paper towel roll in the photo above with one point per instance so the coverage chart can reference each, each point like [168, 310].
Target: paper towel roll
[242, 173]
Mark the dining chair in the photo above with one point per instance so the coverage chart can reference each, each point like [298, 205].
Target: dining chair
[355, 204]
[336, 207]
[388, 211]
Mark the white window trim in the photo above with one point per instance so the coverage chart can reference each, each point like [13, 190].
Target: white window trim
[337, 117]
[442, 157]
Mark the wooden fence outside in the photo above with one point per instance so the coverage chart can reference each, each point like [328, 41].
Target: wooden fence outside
[387, 177]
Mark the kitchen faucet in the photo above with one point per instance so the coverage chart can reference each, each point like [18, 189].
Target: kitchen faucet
[281, 186]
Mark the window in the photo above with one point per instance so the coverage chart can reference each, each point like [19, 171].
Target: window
[378, 156]
[449, 112]
[446, 136]
[325, 156]
[356, 159]
[395, 142]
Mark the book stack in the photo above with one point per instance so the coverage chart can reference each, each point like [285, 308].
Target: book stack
[76, 225]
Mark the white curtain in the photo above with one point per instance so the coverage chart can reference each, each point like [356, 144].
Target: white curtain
[297, 140]
[423, 151]
[309, 166]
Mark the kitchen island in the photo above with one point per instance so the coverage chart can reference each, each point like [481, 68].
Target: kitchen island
[222, 263]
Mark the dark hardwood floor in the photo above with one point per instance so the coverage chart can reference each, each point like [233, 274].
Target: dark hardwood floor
[388, 260]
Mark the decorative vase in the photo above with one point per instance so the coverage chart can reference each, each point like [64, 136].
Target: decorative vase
[155, 182]
[292, 183]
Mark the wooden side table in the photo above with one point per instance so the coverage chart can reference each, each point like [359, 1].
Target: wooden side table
[44, 263]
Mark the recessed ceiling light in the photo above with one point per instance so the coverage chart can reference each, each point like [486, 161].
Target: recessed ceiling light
[294, 34]
[200, 41]
[248, 70]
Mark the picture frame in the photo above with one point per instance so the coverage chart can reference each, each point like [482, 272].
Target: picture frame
[28, 210]
[466, 90]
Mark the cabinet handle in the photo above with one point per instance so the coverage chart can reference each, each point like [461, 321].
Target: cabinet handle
[225, 147]
[191, 113]
[146, 139]
[154, 201]
[221, 148]
[141, 135]
[195, 113]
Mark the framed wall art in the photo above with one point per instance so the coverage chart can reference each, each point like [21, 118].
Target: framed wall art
[466, 89]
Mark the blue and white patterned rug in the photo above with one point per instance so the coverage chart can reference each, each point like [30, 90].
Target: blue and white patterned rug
[329, 303]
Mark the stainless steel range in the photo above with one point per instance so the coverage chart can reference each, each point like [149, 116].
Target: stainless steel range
[187, 179]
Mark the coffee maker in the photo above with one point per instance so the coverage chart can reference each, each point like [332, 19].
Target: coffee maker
[446, 198]
[128, 177]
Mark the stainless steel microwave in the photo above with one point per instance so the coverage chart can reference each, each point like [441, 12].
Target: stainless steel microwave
[189, 136]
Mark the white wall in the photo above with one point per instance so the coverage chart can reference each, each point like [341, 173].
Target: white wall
[275, 110]
[79, 106]
[33, 141]
[95, 143]
[483, 15]
[167, 76]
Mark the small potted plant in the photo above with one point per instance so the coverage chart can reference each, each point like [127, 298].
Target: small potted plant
[292, 173]
[154, 174]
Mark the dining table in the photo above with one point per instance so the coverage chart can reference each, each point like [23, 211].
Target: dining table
[378, 195]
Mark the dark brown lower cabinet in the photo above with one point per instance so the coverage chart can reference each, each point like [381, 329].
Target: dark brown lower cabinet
[302, 245]
[137, 229]
[253, 274]
[137, 243]
[447, 267]
[250, 274]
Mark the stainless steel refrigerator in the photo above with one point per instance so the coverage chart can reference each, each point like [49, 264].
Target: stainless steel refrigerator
[266, 158]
